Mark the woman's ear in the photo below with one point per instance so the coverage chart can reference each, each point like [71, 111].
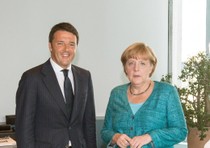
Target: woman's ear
[125, 71]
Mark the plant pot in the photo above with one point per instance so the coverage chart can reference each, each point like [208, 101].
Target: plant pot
[193, 138]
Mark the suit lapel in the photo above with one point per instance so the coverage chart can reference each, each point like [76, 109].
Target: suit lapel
[51, 83]
[78, 85]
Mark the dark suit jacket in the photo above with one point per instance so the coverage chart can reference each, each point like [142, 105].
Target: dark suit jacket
[41, 115]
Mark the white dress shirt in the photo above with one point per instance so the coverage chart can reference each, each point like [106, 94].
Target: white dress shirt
[60, 76]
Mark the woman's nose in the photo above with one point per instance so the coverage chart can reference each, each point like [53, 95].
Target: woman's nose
[136, 67]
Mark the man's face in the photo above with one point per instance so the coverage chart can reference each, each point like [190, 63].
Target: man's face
[63, 48]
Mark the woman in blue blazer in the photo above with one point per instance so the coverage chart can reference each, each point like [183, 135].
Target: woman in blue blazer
[143, 113]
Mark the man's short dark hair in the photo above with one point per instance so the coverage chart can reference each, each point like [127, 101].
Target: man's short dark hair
[64, 26]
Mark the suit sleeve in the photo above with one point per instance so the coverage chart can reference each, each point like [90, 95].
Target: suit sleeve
[90, 117]
[25, 112]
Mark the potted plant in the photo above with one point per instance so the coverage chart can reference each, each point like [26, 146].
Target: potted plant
[195, 95]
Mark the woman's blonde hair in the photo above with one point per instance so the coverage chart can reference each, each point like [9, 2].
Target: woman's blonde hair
[138, 50]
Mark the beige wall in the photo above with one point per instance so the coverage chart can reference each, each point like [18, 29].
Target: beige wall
[106, 28]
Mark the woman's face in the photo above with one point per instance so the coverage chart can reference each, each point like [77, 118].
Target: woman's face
[63, 48]
[138, 70]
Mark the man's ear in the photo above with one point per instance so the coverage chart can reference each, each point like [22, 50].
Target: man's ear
[50, 47]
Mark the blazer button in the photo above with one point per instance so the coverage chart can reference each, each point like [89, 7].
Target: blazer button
[69, 127]
[132, 116]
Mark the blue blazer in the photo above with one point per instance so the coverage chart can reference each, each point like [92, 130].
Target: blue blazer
[161, 116]
[41, 116]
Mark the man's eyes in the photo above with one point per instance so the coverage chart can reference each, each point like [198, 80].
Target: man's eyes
[61, 44]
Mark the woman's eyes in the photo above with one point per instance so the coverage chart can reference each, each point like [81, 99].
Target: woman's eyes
[140, 63]
[131, 63]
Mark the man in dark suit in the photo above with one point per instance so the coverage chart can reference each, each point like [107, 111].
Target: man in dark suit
[44, 119]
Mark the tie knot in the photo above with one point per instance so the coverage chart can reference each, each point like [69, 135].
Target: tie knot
[65, 72]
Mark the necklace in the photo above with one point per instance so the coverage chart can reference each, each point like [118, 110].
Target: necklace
[140, 92]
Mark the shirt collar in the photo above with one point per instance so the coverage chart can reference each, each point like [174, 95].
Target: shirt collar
[58, 68]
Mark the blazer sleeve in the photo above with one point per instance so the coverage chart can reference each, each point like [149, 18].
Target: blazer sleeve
[107, 131]
[176, 130]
